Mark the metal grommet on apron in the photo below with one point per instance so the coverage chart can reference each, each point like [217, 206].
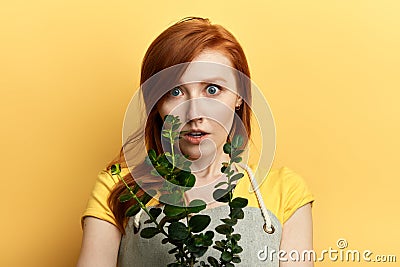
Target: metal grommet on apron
[269, 231]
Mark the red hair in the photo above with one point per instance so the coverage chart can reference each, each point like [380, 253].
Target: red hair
[181, 43]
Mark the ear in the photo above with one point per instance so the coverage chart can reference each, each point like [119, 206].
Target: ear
[239, 101]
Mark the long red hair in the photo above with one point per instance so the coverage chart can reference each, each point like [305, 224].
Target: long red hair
[180, 43]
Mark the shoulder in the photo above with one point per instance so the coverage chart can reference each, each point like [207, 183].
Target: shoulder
[282, 189]
[106, 177]
[285, 179]
[97, 205]
[286, 191]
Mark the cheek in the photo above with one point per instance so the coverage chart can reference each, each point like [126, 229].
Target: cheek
[164, 109]
[162, 112]
[175, 108]
[226, 112]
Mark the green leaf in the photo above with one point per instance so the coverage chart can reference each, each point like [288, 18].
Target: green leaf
[237, 249]
[230, 188]
[219, 184]
[163, 161]
[190, 181]
[223, 169]
[219, 244]
[125, 198]
[181, 175]
[221, 195]
[227, 148]
[165, 240]
[226, 256]
[132, 211]
[236, 260]
[213, 261]
[236, 177]
[175, 136]
[236, 237]
[200, 252]
[237, 159]
[199, 222]
[237, 213]
[218, 248]
[237, 141]
[166, 134]
[183, 132]
[177, 231]
[230, 222]
[224, 229]
[186, 179]
[161, 170]
[209, 235]
[115, 169]
[172, 211]
[175, 127]
[135, 189]
[237, 153]
[239, 202]
[172, 199]
[196, 206]
[149, 232]
[172, 251]
[207, 242]
[168, 118]
[155, 212]
[198, 242]
[152, 155]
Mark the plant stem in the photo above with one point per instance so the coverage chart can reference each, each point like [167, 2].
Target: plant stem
[142, 206]
[172, 149]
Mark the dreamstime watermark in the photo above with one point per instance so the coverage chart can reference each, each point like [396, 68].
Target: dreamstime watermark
[341, 254]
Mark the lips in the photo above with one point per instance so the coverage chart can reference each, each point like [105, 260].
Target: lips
[195, 136]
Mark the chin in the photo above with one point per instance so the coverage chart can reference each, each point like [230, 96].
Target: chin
[205, 150]
[193, 154]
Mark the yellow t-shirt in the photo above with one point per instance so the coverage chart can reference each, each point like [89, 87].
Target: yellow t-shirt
[283, 192]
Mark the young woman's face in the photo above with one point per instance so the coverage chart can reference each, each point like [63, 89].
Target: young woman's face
[205, 104]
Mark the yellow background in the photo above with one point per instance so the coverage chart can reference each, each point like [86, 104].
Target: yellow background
[329, 69]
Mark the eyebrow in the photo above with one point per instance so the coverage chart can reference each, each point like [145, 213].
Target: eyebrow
[214, 80]
[210, 80]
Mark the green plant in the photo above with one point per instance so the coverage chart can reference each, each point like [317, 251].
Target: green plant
[189, 239]
[229, 246]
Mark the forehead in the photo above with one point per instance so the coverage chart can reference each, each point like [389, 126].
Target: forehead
[210, 66]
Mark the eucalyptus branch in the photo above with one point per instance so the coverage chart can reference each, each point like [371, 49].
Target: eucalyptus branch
[229, 246]
[189, 240]
[116, 170]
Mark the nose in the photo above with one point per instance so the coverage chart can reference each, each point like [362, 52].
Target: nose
[193, 110]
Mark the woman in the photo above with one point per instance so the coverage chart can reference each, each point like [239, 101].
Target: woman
[185, 59]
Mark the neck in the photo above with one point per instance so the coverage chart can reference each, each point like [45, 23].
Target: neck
[207, 178]
[208, 169]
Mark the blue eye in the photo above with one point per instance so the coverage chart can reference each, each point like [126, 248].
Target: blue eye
[175, 92]
[212, 89]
